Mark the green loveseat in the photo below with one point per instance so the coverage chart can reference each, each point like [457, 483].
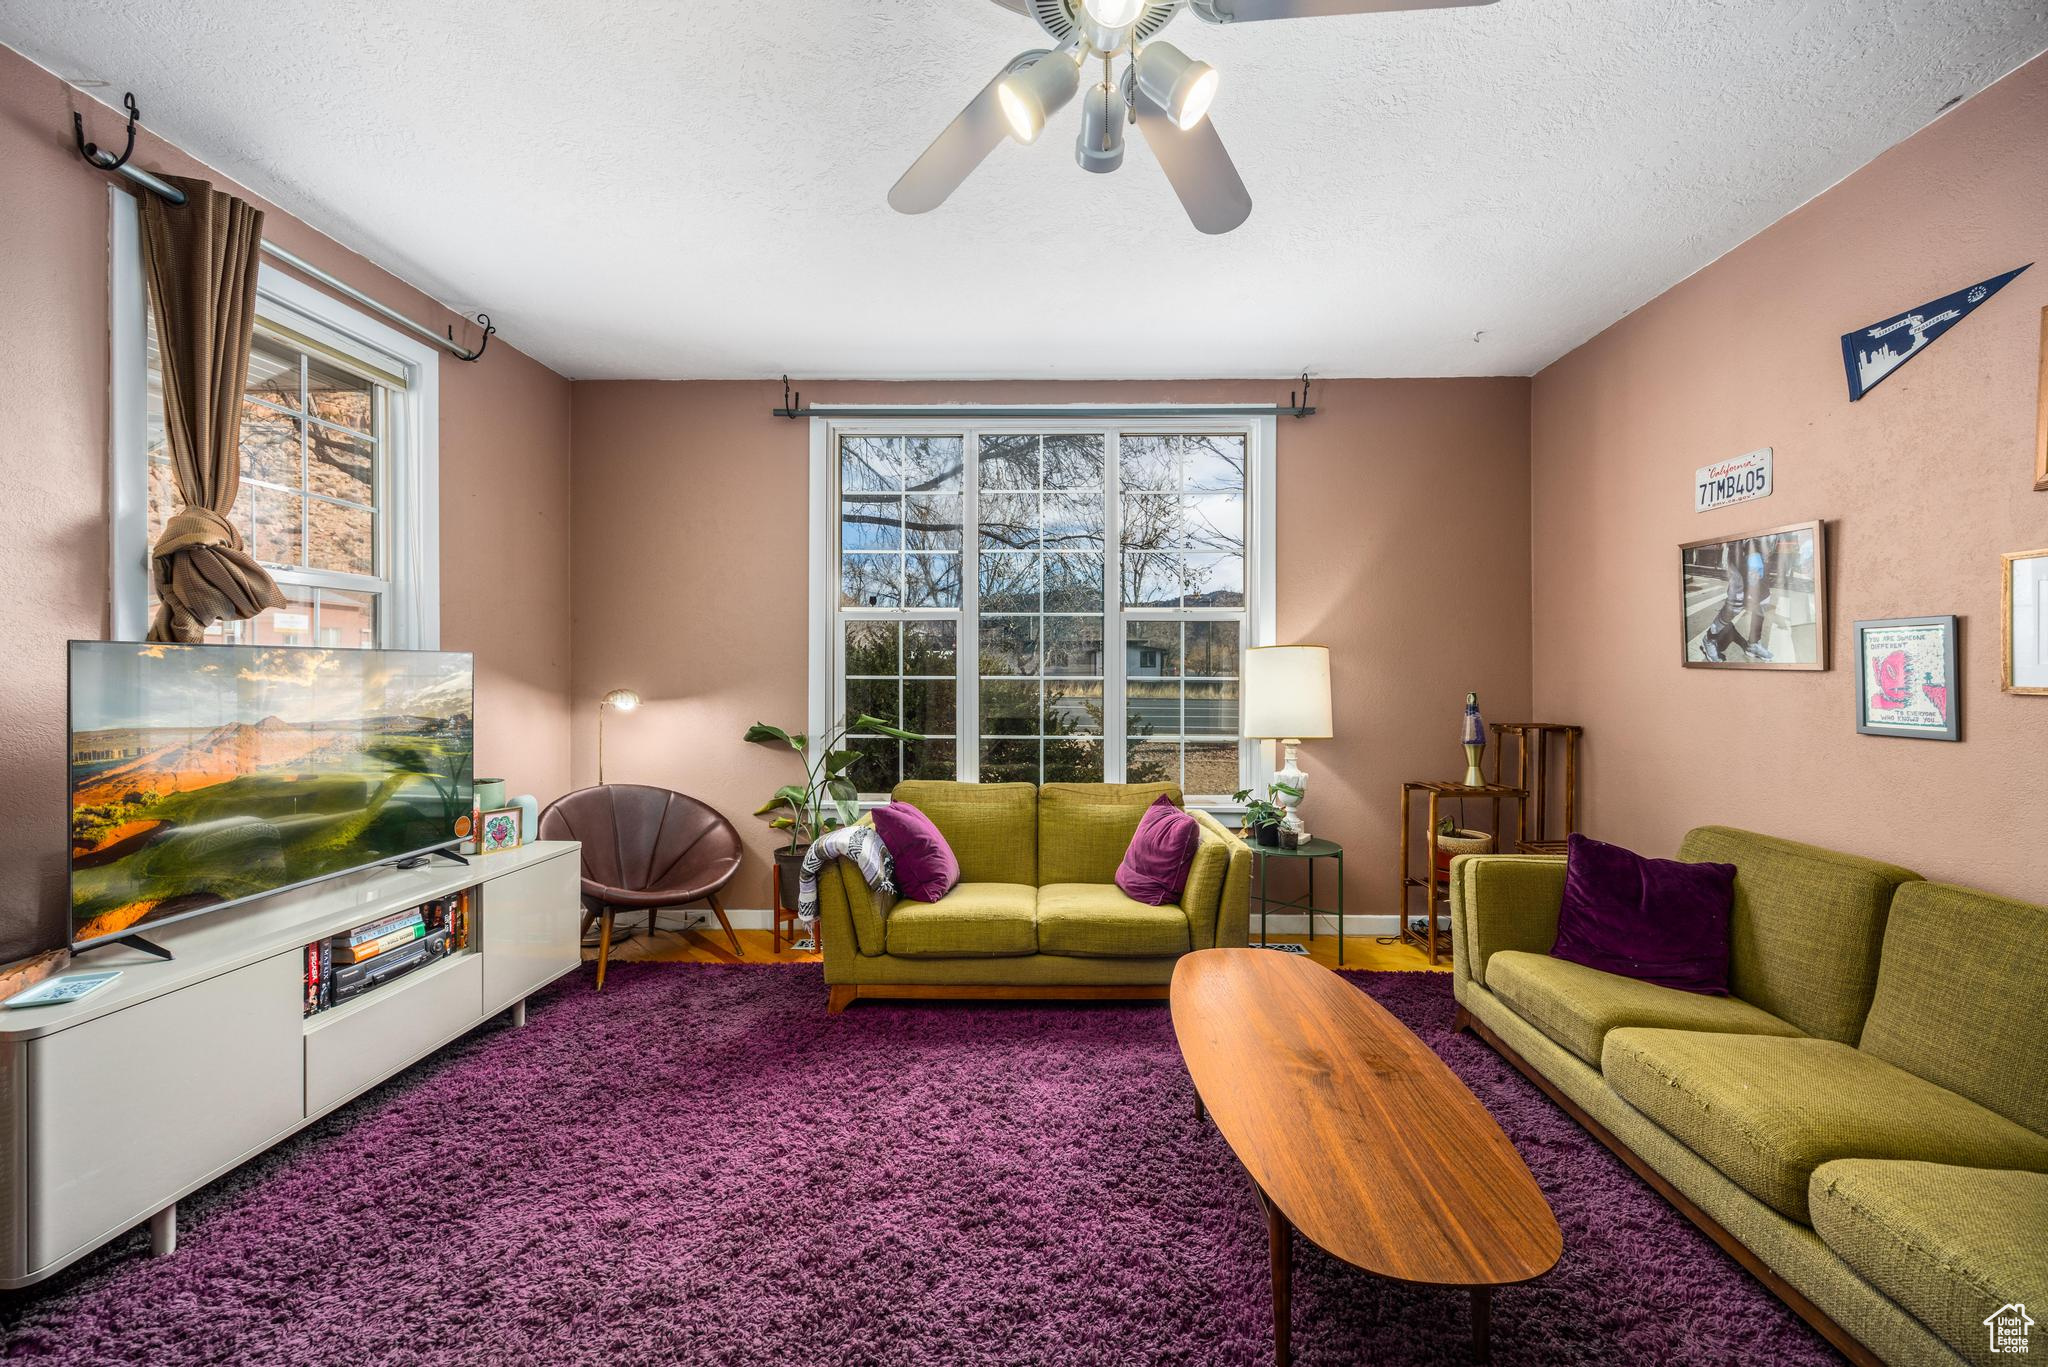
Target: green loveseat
[1037, 912]
[1863, 1124]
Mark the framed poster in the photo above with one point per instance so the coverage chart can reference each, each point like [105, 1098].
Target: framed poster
[2025, 609]
[1755, 602]
[2041, 429]
[1906, 678]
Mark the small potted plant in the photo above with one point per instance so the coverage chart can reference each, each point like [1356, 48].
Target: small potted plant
[826, 799]
[1452, 842]
[1261, 818]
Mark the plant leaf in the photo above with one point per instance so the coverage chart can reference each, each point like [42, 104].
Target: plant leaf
[781, 823]
[789, 793]
[875, 726]
[761, 733]
[839, 761]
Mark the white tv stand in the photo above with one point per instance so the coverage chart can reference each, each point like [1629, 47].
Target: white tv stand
[114, 1108]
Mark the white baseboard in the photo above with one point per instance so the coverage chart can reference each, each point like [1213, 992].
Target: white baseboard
[1280, 923]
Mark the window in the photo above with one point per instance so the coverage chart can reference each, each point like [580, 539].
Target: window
[313, 434]
[1045, 601]
[338, 482]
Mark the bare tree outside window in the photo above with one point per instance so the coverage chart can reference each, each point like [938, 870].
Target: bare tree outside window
[312, 433]
[1097, 558]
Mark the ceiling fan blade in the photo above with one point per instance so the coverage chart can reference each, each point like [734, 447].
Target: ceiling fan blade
[1246, 11]
[1197, 167]
[953, 155]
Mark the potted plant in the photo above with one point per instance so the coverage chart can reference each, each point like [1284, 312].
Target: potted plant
[1261, 818]
[825, 800]
[1452, 842]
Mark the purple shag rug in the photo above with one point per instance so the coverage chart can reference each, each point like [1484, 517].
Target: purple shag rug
[701, 1167]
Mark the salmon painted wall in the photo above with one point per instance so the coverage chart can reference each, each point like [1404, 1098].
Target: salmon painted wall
[1403, 544]
[1924, 483]
[504, 497]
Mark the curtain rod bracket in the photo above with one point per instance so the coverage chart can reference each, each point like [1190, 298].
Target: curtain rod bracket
[92, 151]
[483, 321]
[1301, 409]
[792, 404]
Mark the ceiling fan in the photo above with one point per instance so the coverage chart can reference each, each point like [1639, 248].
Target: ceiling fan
[1165, 92]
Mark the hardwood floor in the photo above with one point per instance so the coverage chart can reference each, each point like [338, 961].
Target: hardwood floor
[701, 946]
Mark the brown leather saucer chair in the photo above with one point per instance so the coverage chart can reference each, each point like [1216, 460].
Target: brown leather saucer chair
[644, 849]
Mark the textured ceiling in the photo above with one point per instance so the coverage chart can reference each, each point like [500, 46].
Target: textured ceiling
[694, 188]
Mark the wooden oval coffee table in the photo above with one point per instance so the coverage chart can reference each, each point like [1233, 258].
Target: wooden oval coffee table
[1355, 1133]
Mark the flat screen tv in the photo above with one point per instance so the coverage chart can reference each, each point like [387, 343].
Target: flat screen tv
[204, 775]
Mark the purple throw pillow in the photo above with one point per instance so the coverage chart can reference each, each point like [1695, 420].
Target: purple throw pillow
[1659, 920]
[1155, 867]
[925, 867]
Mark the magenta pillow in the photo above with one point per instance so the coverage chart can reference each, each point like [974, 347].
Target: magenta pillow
[925, 867]
[1155, 867]
[1659, 920]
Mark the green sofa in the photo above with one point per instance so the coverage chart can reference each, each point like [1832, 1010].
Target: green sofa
[1863, 1124]
[1037, 912]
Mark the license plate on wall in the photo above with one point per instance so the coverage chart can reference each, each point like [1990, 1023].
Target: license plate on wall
[1732, 481]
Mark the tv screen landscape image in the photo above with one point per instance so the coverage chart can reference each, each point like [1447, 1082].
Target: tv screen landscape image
[204, 775]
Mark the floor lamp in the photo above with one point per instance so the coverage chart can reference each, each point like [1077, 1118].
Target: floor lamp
[621, 699]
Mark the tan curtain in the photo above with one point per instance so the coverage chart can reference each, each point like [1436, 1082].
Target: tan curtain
[201, 257]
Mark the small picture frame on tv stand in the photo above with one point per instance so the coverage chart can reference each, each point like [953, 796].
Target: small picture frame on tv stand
[499, 830]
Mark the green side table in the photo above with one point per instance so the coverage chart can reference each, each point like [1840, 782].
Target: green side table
[1310, 850]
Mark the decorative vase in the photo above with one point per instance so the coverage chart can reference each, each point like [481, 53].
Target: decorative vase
[490, 794]
[529, 816]
[1475, 742]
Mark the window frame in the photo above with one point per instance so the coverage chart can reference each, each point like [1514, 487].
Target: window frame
[408, 480]
[827, 640]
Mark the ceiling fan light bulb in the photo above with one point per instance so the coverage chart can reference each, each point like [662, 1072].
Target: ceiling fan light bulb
[1200, 94]
[1177, 83]
[1114, 13]
[1020, 113]
[1031, 96]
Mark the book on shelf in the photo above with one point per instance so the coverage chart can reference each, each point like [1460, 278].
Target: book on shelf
[370, 949]
[377, 930]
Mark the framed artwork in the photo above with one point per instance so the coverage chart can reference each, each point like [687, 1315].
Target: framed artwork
[2041, 428]
[1755, 602]
[2025, 609]
[1906, 678]
[497, 830]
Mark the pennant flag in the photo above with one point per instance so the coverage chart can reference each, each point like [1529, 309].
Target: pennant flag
[1871, 354]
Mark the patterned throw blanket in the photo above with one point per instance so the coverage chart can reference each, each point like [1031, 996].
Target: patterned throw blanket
[863, 846]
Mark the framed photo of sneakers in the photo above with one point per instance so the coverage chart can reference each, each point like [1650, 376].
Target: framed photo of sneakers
[1758, 601]
[1906, 678]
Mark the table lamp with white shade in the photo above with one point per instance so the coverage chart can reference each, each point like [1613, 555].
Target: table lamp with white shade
[1287, 698]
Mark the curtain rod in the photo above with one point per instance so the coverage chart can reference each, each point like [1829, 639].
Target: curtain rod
[793, 407]
[103, 160]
